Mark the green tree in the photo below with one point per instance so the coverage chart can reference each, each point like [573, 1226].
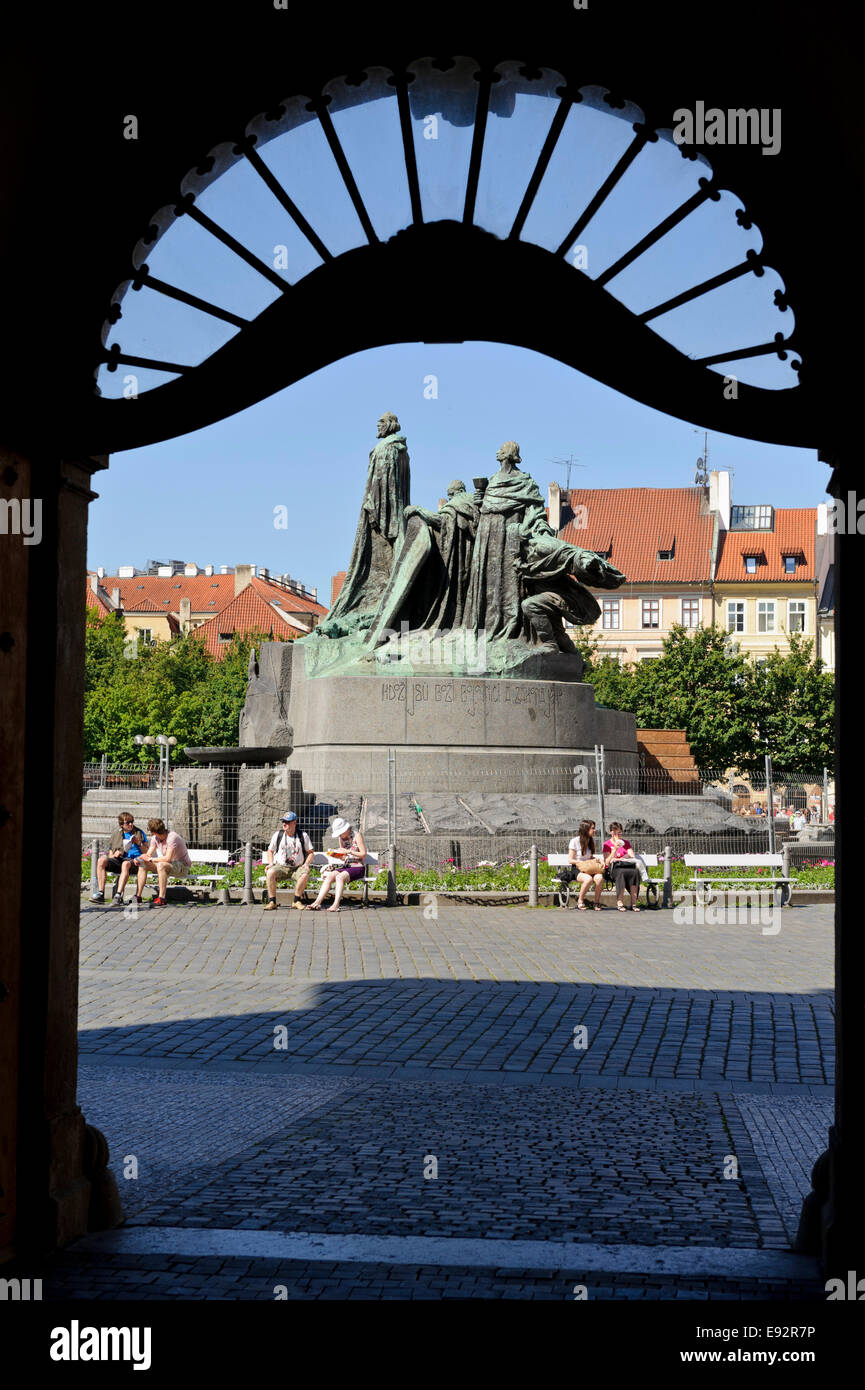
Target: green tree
[792, 702]
[174, 687]
[699, 684]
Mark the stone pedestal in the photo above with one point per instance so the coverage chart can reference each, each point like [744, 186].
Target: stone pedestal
[450, 733]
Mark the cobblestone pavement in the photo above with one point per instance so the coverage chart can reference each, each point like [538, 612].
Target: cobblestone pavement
[149, 1277]
[786, 1142]
[486, 944]
[290, 1072]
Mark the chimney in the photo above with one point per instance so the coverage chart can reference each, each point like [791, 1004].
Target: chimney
[336, 584]
[185, 614]
[314, 595]
[208, 570]
[115, 598]
[101, 571]
[94, 584]
[554, 506]
[225, 569]
[719, 496]
[190, 569]
[242, 577]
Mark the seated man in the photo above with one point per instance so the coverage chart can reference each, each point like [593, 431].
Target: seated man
[288, 854]
[127, 843]
[167, 856]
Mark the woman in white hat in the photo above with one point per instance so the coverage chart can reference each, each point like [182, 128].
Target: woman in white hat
[352, 851]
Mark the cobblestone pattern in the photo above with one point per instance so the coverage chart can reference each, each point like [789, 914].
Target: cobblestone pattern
[118, 1277]
[533, 1162]
[466, 943]
[176, 1124]
[786, 1151]
[712, 1036]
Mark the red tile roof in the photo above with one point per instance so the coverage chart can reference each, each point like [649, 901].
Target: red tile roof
[97, 600]
[206, 593]
[145, 606]
[794, 534]
[254, 610]
[641, 521]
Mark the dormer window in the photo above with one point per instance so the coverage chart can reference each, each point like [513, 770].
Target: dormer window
[790, 562]
[602, 545]
[750, 564]
[666, 546]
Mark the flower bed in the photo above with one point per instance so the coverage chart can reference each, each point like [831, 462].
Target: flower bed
[509, 876]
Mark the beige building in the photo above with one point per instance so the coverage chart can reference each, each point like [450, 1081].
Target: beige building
[692, 557]
[663, 539]
[766, 578]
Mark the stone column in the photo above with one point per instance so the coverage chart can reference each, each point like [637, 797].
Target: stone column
[832, 1223]
[43, 614]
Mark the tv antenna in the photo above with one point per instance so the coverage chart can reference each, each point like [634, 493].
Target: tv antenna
[701, 477]
[568, 463]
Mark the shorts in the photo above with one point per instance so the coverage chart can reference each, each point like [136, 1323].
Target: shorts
[354, 871]
[113, 865]
[175, 870]
[286, 871]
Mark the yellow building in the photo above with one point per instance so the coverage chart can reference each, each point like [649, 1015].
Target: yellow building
[663, 539]
[766, 578]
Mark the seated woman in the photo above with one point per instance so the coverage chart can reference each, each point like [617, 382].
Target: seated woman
[619, 858]
[352, 851]
[581, 854]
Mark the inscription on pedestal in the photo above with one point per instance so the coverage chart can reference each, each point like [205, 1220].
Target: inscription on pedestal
[472, 696]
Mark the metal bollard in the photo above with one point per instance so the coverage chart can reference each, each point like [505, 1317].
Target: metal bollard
[246, 898]
[667, 895]
[785, 859]
[533, 876]
[391, 875]
[94, 855]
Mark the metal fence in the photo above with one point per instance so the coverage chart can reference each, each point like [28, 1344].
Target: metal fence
[495, 820]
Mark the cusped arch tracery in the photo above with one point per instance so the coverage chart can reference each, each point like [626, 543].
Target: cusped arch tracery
[512, 150]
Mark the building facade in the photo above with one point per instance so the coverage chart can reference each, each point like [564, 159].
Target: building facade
[693, 557]
[174, 598]
[663, 539]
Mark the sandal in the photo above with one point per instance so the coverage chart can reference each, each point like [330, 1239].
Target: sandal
[333, 909]
[635, 909]
[598, 908]
[619, 907]
[581, 907]
[314, 907]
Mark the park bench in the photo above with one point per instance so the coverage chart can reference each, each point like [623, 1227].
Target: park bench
[322, 860]
[780, 883]
[556, 861]
[208, 856]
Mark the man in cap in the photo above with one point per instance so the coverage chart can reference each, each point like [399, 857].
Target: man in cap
[289, 855]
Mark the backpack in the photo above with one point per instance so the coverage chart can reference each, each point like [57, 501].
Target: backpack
[299, 837]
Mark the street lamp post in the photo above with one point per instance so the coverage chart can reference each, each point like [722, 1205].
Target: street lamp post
[165, 743]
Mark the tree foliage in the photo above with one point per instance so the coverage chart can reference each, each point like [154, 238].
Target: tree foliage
[733, 709]
[174, 687]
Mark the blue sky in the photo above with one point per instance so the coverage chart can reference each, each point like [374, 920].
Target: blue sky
[307, 447]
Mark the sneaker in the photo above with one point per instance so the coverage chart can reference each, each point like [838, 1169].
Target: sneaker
[158, 902]
[299, 903]
[118, 899]
[270, 905]
[97, 897]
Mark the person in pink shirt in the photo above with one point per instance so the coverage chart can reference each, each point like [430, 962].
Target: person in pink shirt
[166, 855]
[619, 858]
